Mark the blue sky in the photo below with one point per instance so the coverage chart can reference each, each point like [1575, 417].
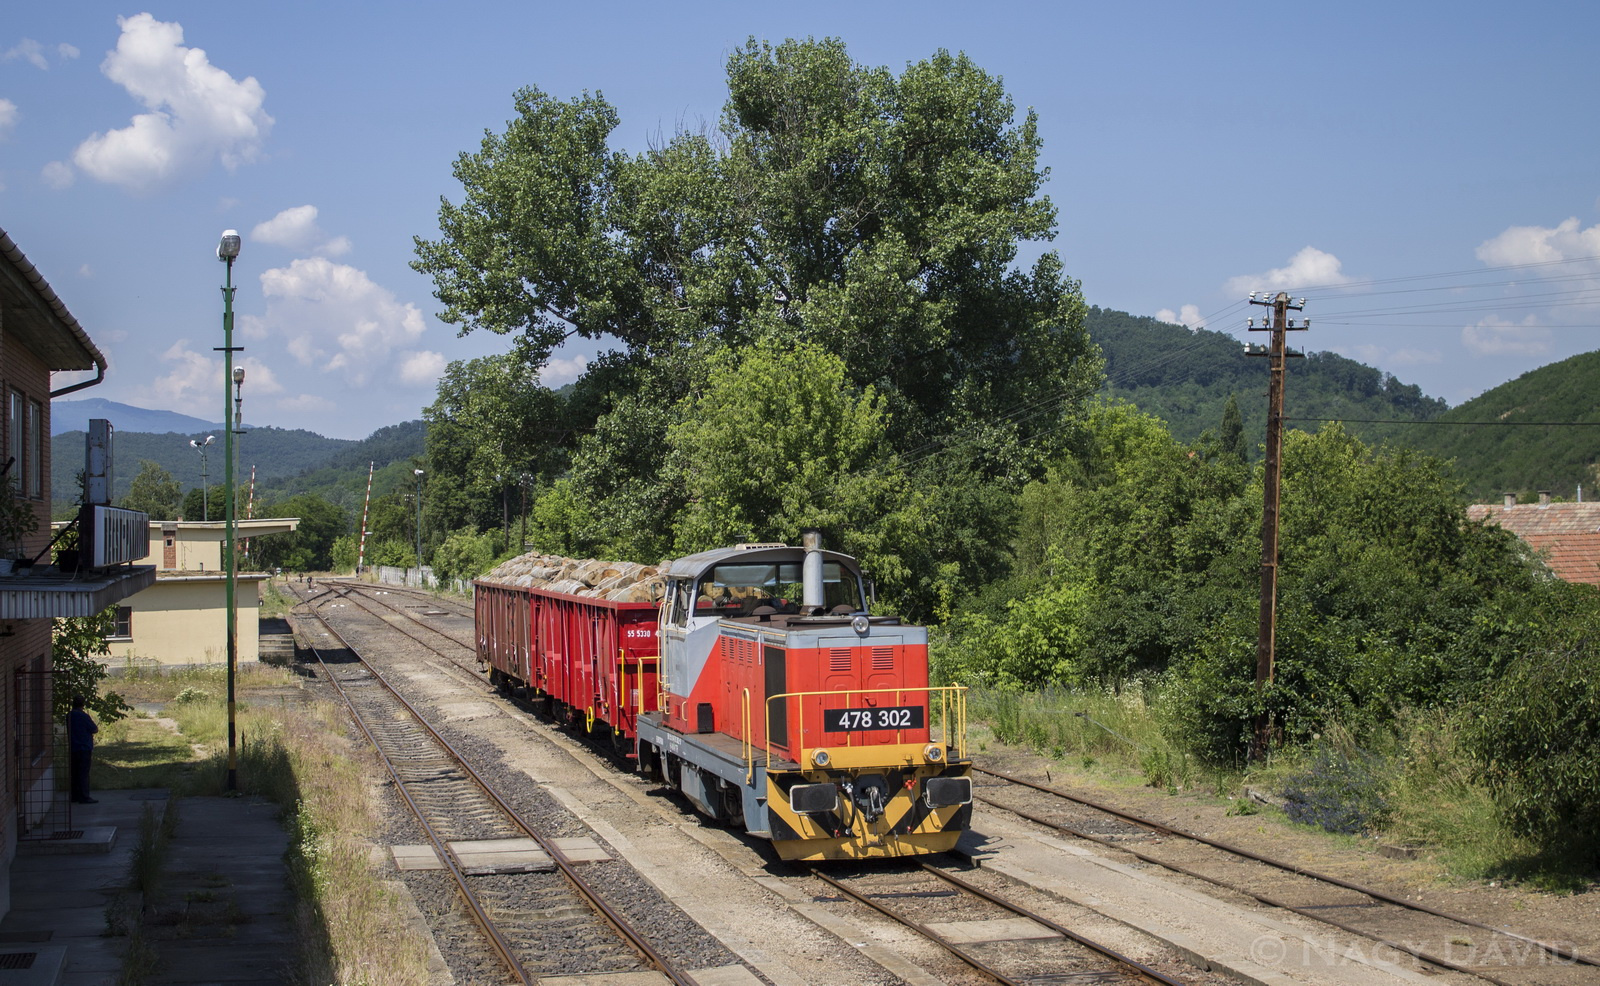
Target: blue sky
[1427, 174]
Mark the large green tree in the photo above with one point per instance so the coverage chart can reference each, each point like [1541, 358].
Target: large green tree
[491, 424]
[309, 548]
[876, 216]
[154, 491]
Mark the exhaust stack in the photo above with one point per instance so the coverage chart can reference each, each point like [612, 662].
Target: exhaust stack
[811, 571]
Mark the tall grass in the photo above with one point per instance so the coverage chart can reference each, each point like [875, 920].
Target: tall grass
[1429, 790]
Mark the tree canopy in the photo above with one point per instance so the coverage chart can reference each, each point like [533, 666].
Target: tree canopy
[839, 211]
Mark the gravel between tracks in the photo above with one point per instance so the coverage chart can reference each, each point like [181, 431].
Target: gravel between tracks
[528, 763]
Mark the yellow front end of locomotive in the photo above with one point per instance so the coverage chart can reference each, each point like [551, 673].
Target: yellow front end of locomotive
[866, 802]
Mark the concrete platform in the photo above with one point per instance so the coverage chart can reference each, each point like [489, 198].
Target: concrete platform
[222, 911]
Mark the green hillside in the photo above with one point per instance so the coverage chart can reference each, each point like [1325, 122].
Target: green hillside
[1185, 378]
[285, 461]
[1519, 453]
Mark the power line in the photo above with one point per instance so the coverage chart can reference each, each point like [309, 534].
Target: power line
[1459, 424]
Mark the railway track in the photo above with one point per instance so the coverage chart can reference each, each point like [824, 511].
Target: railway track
[1429, 935]
[536, 910]
[1000, 938]
[440, 617]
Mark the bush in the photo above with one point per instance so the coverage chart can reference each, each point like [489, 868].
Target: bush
[1537, 734]
[1341, 792]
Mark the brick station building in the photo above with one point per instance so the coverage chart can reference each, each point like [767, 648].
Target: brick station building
[38, 336]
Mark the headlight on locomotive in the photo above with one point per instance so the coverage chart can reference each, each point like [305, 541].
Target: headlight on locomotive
[820, 758]
[933, 753]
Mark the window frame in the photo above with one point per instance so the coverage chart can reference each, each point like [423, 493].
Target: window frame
[34, 442]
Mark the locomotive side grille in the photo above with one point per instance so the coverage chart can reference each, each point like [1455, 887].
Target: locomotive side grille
[839, 660]
[883, 658]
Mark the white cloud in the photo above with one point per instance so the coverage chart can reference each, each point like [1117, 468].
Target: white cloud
[29, 51]
[66, 51]
[1307, 269]
[8, 117]
[85, 270]
[198, 111]
[1494, 336]
[332, 316]
[423, 367]
[1541, 244]
[297, 229]
[1188, 315]
[1374, 355]
[306, 403]
[191, 385]
[57, 174]
[560, 372]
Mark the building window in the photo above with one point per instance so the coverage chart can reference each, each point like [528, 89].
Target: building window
[35, 457]
[124, 627]
[14, 440]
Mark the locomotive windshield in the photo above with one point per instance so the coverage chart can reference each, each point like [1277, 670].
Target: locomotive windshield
[738, 588]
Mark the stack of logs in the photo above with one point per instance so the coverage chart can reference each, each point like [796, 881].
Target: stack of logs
[622, 581]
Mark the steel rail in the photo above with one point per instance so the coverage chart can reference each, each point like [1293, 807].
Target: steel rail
[350, 591]
[1414, 952]
[568, 870]
[919, 928]
[1129, 964]
[1132, 964]
[1549, 948]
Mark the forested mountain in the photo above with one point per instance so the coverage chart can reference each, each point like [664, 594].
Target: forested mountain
[1185, 378]
[1516, 450]
[70, 415]
[285, 461]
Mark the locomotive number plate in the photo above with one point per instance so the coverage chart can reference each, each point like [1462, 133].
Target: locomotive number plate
[855, 720]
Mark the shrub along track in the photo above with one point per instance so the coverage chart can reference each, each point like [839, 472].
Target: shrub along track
[555, 933]
[947, 909]
[1429, 935]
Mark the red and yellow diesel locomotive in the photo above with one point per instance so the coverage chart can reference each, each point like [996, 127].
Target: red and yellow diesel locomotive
[759, 686]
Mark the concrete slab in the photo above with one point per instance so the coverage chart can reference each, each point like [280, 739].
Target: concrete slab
[479, 857]
[36, 966]
[608, 979]
[1000, 929]
[415, 858]
[92, 839]
[727, 975]
[59, 900]
[581, 850]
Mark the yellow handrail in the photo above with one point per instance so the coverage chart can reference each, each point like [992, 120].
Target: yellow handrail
[749, 750]
[952, 702]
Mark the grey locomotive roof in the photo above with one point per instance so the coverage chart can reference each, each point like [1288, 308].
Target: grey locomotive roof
[693, 565]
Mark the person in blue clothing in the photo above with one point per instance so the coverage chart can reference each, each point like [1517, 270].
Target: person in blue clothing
[80, 738]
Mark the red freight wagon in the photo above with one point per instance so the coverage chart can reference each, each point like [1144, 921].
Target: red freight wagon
[592, 660]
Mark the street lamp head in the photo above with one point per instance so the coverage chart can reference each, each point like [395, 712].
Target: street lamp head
[210, 439]
[417, 471]
[228, 248]
[193, 443]
[238, 375]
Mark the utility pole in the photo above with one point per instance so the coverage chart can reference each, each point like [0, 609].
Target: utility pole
[1266, 639]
